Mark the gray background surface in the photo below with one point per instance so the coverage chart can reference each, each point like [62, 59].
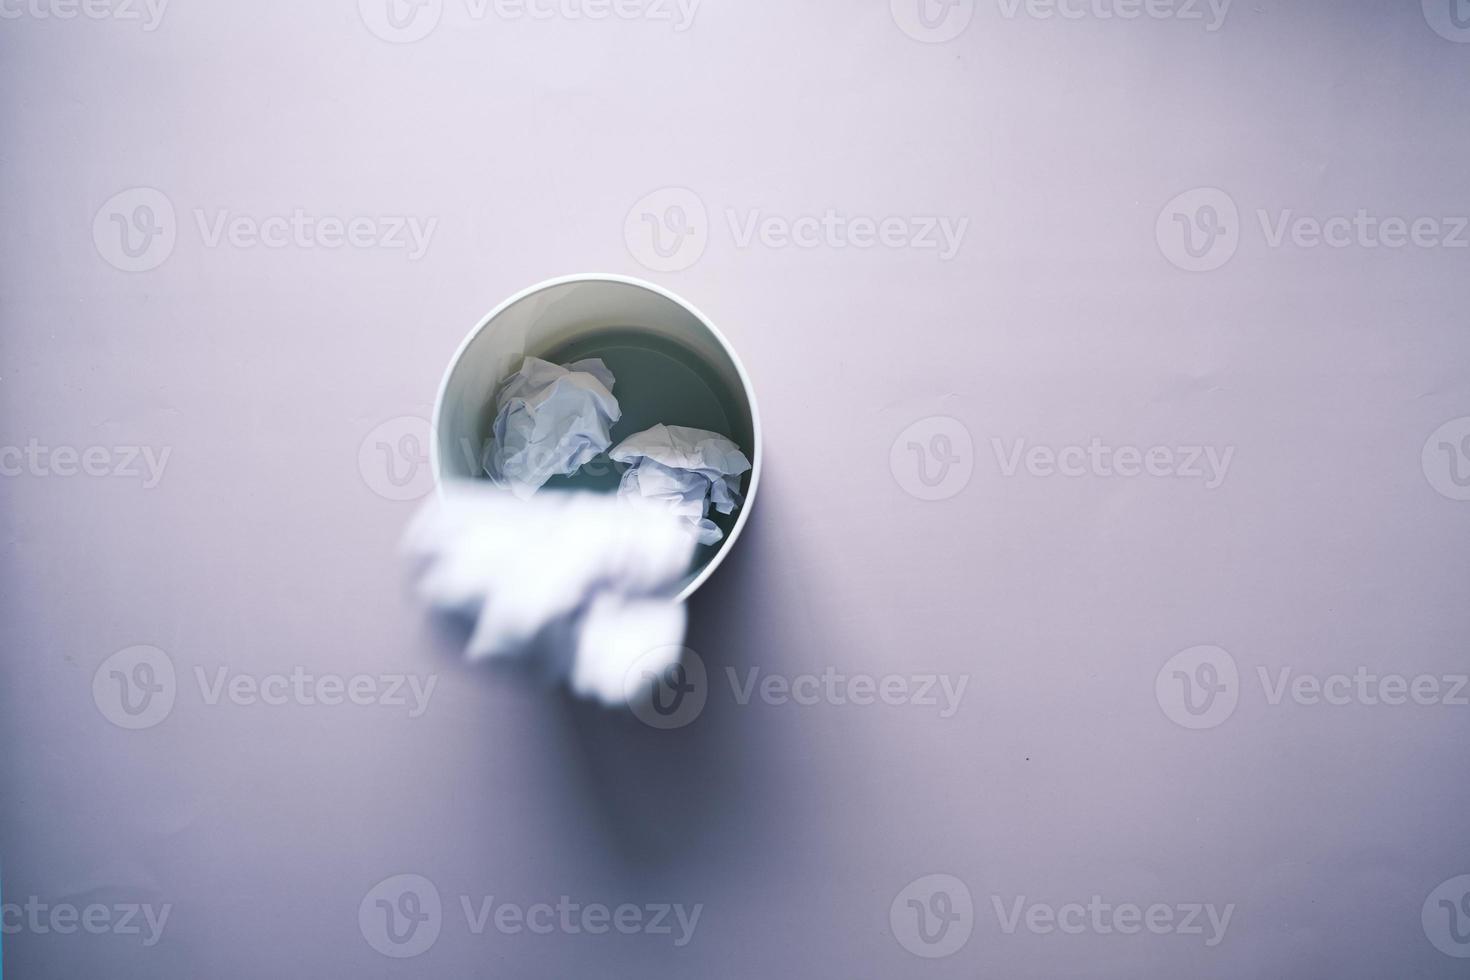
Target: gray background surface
[269, 543]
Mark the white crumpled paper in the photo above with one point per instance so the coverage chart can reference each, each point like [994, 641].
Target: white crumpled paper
[684, 470]
[549, 421]
[581, 579]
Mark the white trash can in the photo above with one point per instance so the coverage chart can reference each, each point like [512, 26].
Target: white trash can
[670, 364]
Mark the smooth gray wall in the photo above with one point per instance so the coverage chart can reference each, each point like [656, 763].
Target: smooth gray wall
[271, 375]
